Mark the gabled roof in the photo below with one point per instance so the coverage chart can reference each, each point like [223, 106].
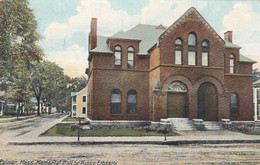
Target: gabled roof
[76, 93]
[243, 58]
[181, 19]
[257, 83]
[73, 94]
[231, 45]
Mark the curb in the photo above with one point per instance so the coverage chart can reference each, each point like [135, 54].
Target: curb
[183, 142]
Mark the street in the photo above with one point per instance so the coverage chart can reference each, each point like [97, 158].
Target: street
[119, 153]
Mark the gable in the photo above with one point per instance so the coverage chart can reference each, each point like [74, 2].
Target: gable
[191, 15]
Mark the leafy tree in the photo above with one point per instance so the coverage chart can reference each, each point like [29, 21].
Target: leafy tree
[49, 84]
[20, 90]
[256, 74]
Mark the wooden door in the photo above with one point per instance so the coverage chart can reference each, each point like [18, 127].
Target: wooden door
[176, 105]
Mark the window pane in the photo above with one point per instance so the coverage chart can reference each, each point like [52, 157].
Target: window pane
[130, 64]
[131, 108]
[130, 56]
[131, 49]
[116, 108]
[178, 57]
[83, 110]
[118, 48]
[192, 39]
[84, 99]
[74, 107]
[231, 62]
[178, 42]
[117, 58]
[231, 69]
[131, 98]
[191, 58]
[231, 56]
[231, 66]
[234, 104]
[205, 58]
[205, 44]
[116, 98]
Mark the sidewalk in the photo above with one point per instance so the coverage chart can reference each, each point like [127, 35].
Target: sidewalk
[187, 137]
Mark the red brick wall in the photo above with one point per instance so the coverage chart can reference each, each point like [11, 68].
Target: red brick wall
[107, 80]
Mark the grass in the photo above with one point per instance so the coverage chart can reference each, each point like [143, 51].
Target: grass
[70, 119]
[7, 116]
[65, 130]
[253, 132]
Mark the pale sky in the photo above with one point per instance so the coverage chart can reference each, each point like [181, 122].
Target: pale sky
[65, 24]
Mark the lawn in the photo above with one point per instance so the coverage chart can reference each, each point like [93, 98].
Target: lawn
[70, 119]
[65, 130]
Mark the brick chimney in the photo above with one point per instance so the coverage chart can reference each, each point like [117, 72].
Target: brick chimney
[93, 34]
[228, 36]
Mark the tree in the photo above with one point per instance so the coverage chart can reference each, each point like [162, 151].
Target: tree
[20, 90]
[256, 74]
[49, 84]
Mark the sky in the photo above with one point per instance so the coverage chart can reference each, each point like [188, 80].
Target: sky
[64, 24]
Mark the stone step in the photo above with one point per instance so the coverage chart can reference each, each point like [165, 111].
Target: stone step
[181, 124]
[212, 125]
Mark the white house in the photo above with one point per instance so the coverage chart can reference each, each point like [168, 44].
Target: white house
[257, 99]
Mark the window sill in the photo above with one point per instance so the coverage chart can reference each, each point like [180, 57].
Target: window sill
[132, 114]
[115, 114]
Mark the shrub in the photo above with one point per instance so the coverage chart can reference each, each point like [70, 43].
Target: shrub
[75, 126]
[244, 128]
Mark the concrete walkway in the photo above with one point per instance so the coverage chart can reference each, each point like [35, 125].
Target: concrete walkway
[187, 137]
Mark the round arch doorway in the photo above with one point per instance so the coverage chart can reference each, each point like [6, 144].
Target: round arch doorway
[207, 102]
[176, 100]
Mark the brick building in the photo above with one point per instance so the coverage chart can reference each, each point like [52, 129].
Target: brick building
[183, 71]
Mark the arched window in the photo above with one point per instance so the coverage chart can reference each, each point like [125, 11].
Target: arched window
[130, 60]
[131, 102]
[231, 63]
[192, 49]
[192, 39]
[116, 102]
[178, 51]
[233, 104]
[118, 56]
[205, 53]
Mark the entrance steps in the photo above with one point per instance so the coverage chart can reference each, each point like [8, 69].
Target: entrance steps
[181, 124]
[212, 125]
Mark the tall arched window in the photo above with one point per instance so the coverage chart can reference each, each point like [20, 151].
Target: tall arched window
[205, 53]
[118, 56]
[192, 49]
[116, 102]
[131, 102]
[178, 51]
[130, 60]
[233, 104]
[231, 63]
[192, 39]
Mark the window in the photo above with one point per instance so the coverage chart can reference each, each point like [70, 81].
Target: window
[205, 58]
[131, 102]
[118, 56]
[192, 39]
[74, 99]
[74, 107]
[231, 63]
[233, 104]
[84, 99]
[116, 102]
[178, 51]
[191, 58]
[130, 61]
[83, 110]
[205, 53]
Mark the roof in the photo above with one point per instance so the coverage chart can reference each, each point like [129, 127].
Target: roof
[243, 58]
[231, 45]
[102, 46]
[73, 94]
[257, 83]
[76, 93]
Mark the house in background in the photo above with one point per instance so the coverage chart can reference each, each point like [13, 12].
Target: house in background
[79, 103]
[154, 72]
[257, 99]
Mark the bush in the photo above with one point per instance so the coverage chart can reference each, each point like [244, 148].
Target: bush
[244, 128]
[76, 126]
[153, 129]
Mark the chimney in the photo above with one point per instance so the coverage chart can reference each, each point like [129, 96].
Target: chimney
[93, 34]
[228, 36]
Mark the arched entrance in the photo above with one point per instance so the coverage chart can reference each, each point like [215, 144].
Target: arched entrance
[176, 100]
[207, 102]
